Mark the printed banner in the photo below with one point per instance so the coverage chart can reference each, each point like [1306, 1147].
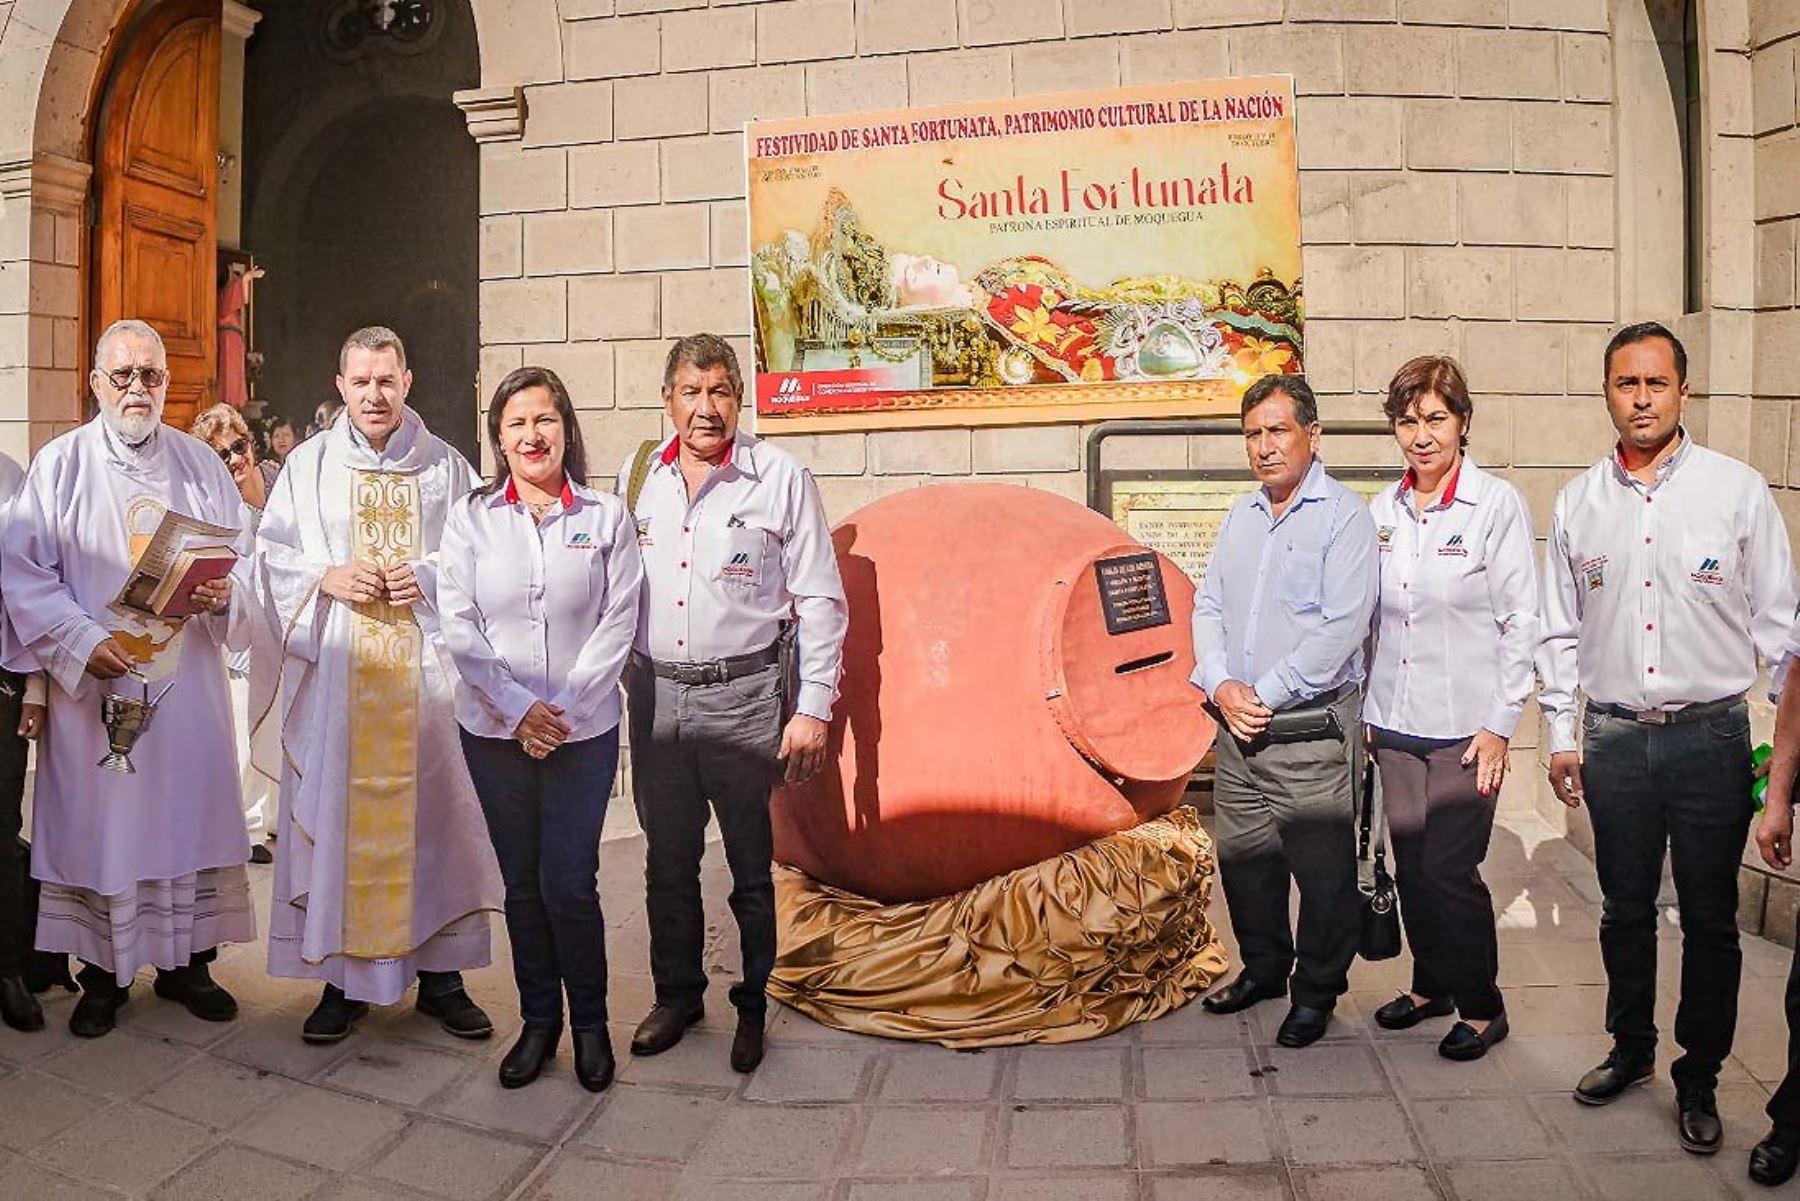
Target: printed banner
[1127, 253]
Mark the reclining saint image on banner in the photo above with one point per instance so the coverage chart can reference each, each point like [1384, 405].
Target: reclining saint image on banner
[1065, 258]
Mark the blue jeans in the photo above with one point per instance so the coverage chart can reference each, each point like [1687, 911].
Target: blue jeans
[544, 817]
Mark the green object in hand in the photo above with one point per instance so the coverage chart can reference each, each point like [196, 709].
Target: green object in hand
[1759, 789]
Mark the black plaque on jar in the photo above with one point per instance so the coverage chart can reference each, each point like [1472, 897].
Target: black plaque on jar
[1131, 592]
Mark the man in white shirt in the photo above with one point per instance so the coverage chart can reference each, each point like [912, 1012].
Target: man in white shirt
[737, 560]
[1666, 574]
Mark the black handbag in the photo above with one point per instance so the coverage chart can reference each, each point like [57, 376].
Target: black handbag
[1380, 937]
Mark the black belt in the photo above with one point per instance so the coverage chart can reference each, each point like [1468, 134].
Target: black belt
[1669, 717]
[714, 671]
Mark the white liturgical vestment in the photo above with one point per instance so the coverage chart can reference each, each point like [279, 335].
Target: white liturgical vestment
[145, 868]
[383, 866]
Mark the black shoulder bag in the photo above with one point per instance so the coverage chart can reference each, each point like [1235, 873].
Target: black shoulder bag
[1381, 903]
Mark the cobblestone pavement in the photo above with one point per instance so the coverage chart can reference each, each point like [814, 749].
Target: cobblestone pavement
[1192, 1106]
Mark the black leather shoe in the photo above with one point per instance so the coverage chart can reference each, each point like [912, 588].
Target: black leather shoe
[747, 1043]
[1618, 1073]
[260, 853]
[194, 987]
[1239, 995]
[97, 1012]
[1465, 1043]
[18, 1008]
[593, 1059]
[457, 1014]
[1697, 1119]
[662, 1028]
[1403, 1013]
[332, 1017]
[528, 1056]
[1773, 1160]
[1303, 1026]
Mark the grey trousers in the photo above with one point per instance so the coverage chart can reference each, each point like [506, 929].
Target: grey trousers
[1287, 811]
[697, 751]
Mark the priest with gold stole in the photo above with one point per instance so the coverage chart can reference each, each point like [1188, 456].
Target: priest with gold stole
[142, 866]
[383, 868]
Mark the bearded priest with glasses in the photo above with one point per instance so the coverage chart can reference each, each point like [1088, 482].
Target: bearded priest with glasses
[145, 868]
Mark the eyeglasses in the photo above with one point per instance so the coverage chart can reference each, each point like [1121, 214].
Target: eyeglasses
[153, 377]
[232, 451]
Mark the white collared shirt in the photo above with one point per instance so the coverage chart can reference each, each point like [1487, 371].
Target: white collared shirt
[749, 552]
[1660, 596]
[538, 610]
[1456, 620]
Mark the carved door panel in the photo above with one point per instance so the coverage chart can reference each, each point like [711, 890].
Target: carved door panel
[156, 193]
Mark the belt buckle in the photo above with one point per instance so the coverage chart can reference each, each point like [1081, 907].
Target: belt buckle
[1653, 717]
[712, 673]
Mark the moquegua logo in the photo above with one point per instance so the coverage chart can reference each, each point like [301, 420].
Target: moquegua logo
[789, 391]
[738, 567]
[1454, 546]
[1708, 573]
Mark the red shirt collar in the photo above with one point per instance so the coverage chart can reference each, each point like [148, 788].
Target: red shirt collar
[674, 448]
[568, 493]
[1409, 481]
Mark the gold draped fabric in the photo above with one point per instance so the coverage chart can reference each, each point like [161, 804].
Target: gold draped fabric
[382, 801]
[1074, 947]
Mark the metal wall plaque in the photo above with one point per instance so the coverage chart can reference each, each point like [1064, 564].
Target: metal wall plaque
[1131, 592]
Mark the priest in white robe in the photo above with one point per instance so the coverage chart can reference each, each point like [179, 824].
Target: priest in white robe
[383, 868]
[146, 868]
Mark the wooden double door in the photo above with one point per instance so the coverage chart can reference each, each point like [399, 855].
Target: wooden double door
[154, 247]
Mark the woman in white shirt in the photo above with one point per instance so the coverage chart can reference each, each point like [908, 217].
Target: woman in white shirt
[538, 598]
[1455, 627]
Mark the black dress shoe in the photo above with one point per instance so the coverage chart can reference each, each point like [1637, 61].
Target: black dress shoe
[1465, 1043]
[1773, 1160]
[331, 1018]
[1403, 1013]
[1240, 994]
[456, 1013]
[593, 1059]
[747, 1043]
[1303, 1026]
[1618, 1073]
[194, 987]
[18, 1008]
[98, 1011]
[260, 853]
[662, 1028]
[529, 1055]
[1697, 1120]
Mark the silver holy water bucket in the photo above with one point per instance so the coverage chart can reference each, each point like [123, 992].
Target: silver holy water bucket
[126, 718]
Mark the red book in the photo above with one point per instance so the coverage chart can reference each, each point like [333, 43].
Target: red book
[174, 596]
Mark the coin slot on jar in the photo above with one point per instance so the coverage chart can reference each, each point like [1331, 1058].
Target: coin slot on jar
[1144, 664]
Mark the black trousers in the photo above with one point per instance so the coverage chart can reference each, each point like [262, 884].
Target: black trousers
[1681, 790]
[1784, 1104]
[16, 934]
[1440, 825]
[700, 751]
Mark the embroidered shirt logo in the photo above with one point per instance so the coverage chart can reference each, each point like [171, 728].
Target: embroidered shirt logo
[738, 567]
[1384, 537]
[643, 532]
[1593, 573]
[1708, 573]
[1454, 547]
[581, 540]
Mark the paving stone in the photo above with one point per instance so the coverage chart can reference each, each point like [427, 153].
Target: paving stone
[1542, 1179]
[1070, 1074]
[1062, 1187]
[794, 1073]
[773, 1140]
[34, 1107]
[392, 1070]
[540, 1112]
[710, 1188]
[218, 1093]
[935, 1190]
[1174, 1133]
[1218, 1185]
[453, 1161]
[223, 1174]
[1673, 1177]
[1192, 1026]
[908, 1141]
[1551, 1063]
[368, 1190]
[324, 1128]
[271, 1041]
[934, 1074]
[577, 1177]
[1056, 1136]
[700, 1060]
[1365, 1130]
[127, 1146]
[646, 1123]
[119, 1065]
[1181, 1074]
[23, 1179]
[1481, 1128]
[1634, 1124]
[1419, 1071]
[1323, 1069]
[1408, 1183]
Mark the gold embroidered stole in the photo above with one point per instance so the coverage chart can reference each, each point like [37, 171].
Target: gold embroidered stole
[381, 807]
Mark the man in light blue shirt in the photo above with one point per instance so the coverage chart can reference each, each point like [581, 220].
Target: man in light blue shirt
[1279, 626]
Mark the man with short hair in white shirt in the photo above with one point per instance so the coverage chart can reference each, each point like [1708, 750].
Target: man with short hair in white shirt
[1666, 574]
[737, 560]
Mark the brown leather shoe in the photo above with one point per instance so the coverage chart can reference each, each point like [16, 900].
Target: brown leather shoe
[662, 1028]
[747, 1044]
